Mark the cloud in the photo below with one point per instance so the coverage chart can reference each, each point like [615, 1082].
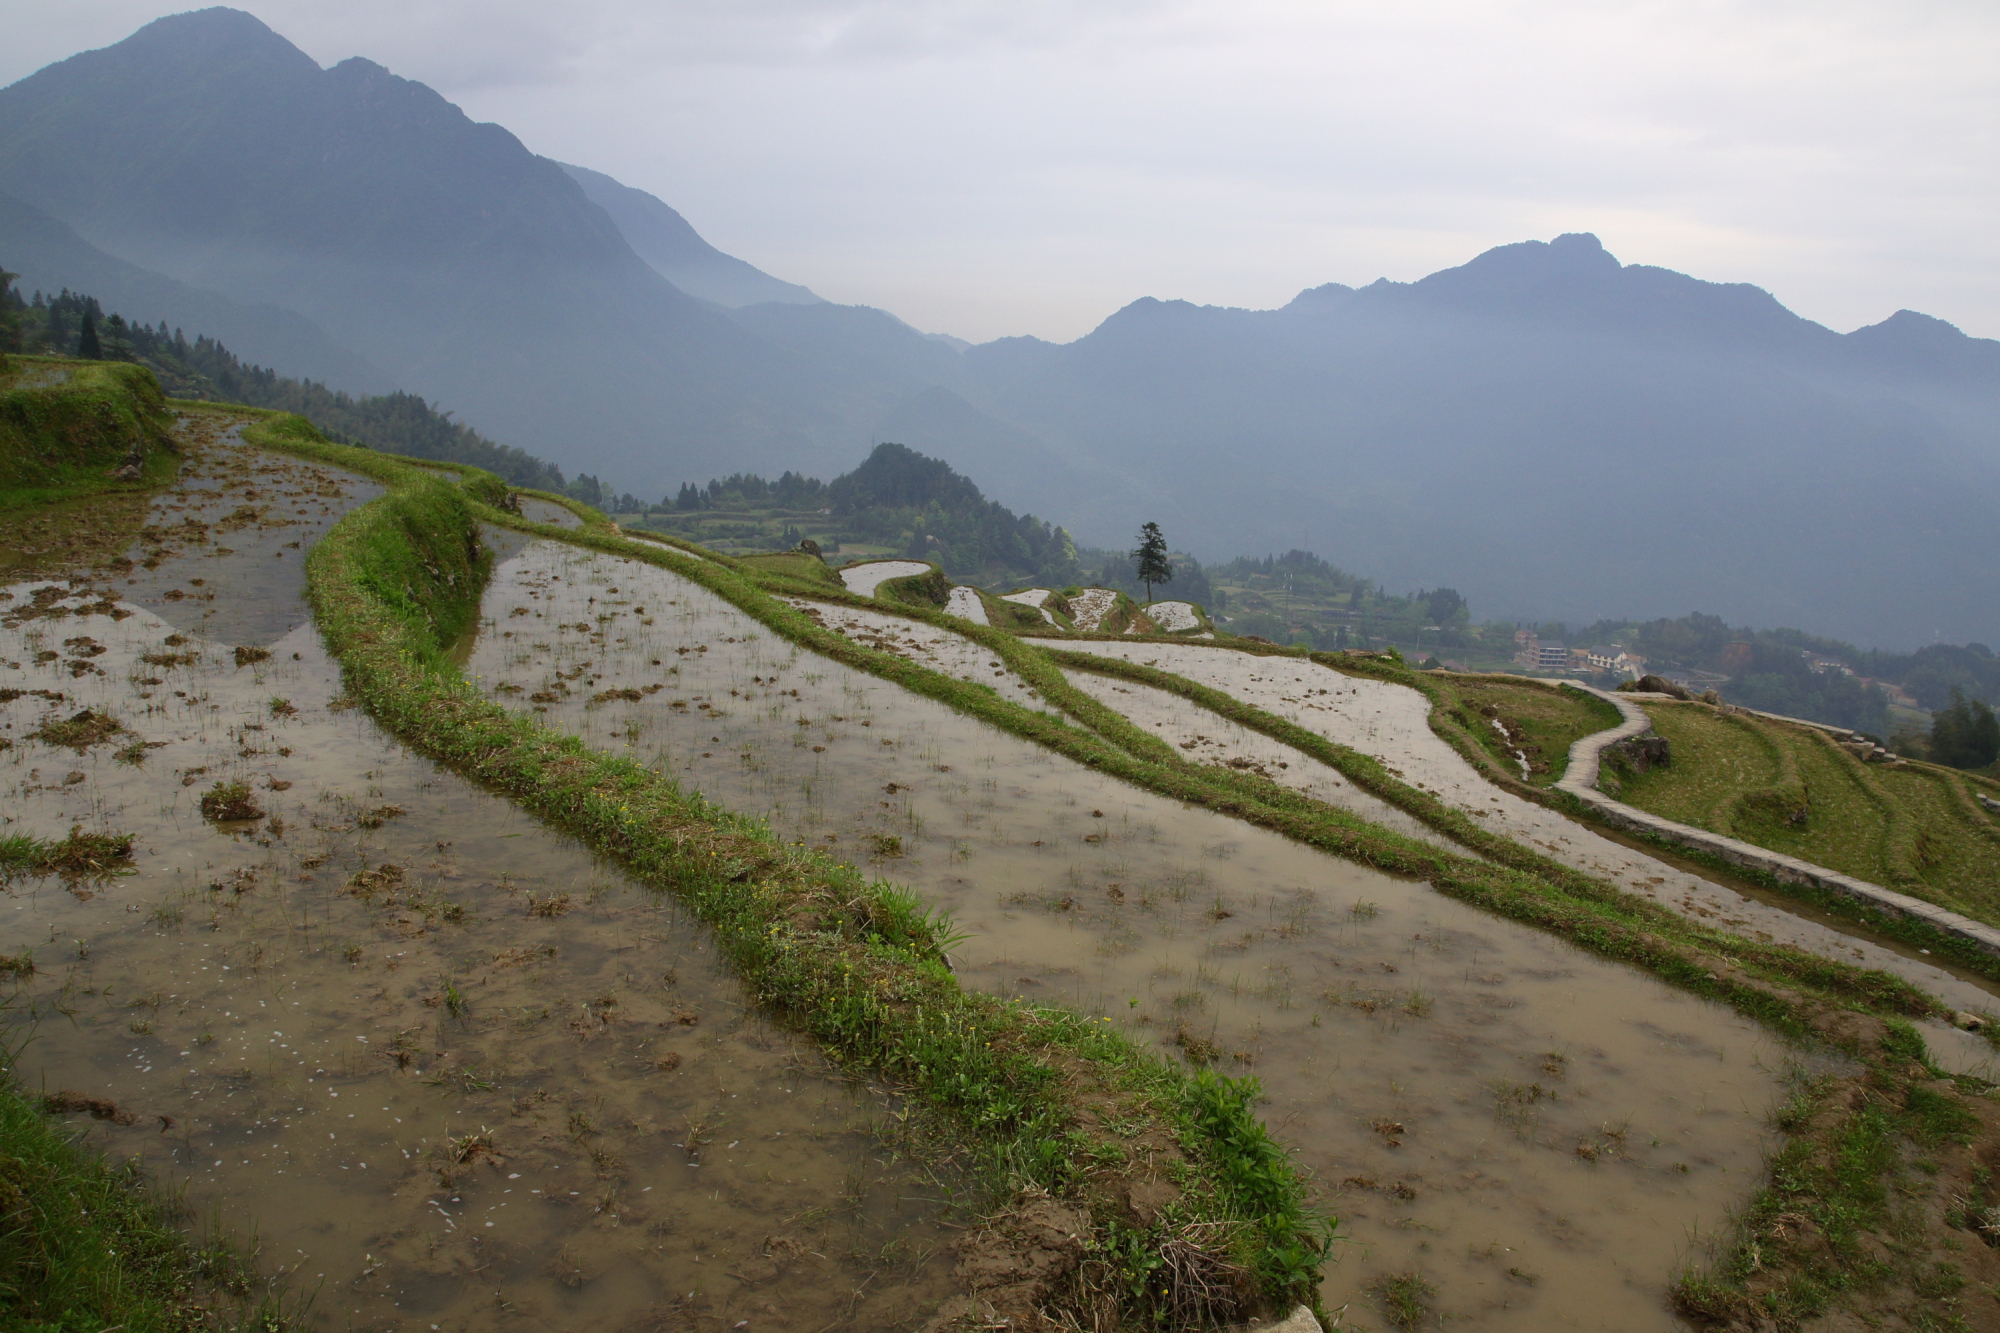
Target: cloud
[988, 167]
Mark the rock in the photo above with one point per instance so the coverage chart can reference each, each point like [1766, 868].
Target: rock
[1988, 802]
[1661, 685]
[1649, 750]
[1145, 1201]
[811, 548]
[1298, 1321]
[1012, 1265]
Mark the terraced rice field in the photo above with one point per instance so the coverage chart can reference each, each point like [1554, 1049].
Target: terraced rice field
[453, 1070]
[1914, 827]
[1474, 1096]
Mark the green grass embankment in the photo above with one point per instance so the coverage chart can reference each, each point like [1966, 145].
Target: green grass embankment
[1913, 827]
[1541, 721]
[88, 1246]
[66, 426]
[1512, 880]
[1038, 1097]
[855, 964]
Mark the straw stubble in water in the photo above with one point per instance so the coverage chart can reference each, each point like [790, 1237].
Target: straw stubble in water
[449, 1068]
[1541, 1134]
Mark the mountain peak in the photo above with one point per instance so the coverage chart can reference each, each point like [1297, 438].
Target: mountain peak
[1910, 340]
[208, 33]
[1576, 257]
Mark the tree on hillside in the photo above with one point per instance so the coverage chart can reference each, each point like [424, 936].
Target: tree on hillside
[1965, 734]
[1153, 566]
[10, 319]
[87, 346]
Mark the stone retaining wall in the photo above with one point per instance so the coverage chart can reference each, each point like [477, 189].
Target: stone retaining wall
[1580, 781]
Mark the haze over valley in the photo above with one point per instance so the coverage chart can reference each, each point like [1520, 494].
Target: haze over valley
[1061, 768]
[1557, 434]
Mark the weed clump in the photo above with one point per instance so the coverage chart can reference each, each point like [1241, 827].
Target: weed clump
[79, 731]
[860, 971]
[227, 802]
[78, 854]
[1406, 1298]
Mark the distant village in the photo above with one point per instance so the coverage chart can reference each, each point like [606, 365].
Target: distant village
[1545, 655]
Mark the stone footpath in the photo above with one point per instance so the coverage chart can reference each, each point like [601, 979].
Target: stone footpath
[1580, 781]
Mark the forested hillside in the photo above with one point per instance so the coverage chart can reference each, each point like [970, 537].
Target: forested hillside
[71, 324]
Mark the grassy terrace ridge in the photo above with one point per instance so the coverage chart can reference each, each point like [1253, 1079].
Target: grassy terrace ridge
[1457, 723]
[855, 963]
[65, 426]
[1513, 880]
[88, 1246]
[1913, 826]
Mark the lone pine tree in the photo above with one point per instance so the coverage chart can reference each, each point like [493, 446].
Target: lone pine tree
[1152, 558]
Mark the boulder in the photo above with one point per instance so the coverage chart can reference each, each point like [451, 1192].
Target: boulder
[1660, 685]
[1643, 752]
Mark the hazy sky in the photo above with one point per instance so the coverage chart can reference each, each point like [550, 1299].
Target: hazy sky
[990, 167]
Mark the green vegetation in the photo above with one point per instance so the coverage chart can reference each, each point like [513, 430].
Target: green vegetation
[86, 1245]
[1860, 1164]
[1915, 827]
[1149, 562]
[897, 502]
[848, 960]
[78, 854]
[71, 429]
[1540, 722]
[1964, 733]
[1299, 598]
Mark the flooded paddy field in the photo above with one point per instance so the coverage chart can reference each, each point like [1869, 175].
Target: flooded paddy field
[450, 1070]
[1390, 722]
[1542, 1135]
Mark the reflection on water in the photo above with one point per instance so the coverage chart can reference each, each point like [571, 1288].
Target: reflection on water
[1392, 723]
[548, 511]
[454, 1072]
[1539, 1132]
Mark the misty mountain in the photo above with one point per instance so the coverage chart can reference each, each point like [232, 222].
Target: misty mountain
[663, 238]
[50, 257]
[1553, 433]
[207, 148]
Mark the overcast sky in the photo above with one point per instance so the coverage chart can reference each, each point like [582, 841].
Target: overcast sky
[993, 167]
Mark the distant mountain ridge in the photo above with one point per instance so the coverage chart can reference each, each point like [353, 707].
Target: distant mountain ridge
[676, 251]
[1554, 433]
[50, 256]
[208, 149]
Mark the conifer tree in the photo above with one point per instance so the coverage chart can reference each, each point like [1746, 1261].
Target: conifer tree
[1964, 734]
[10, 320]
[87, 346]
[1152, 559]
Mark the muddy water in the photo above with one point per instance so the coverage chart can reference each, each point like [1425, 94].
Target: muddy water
[1538, 1132]
[1391, 722]
[455, 1072]
[1210, 738]
[548, 511]
[941, 650]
